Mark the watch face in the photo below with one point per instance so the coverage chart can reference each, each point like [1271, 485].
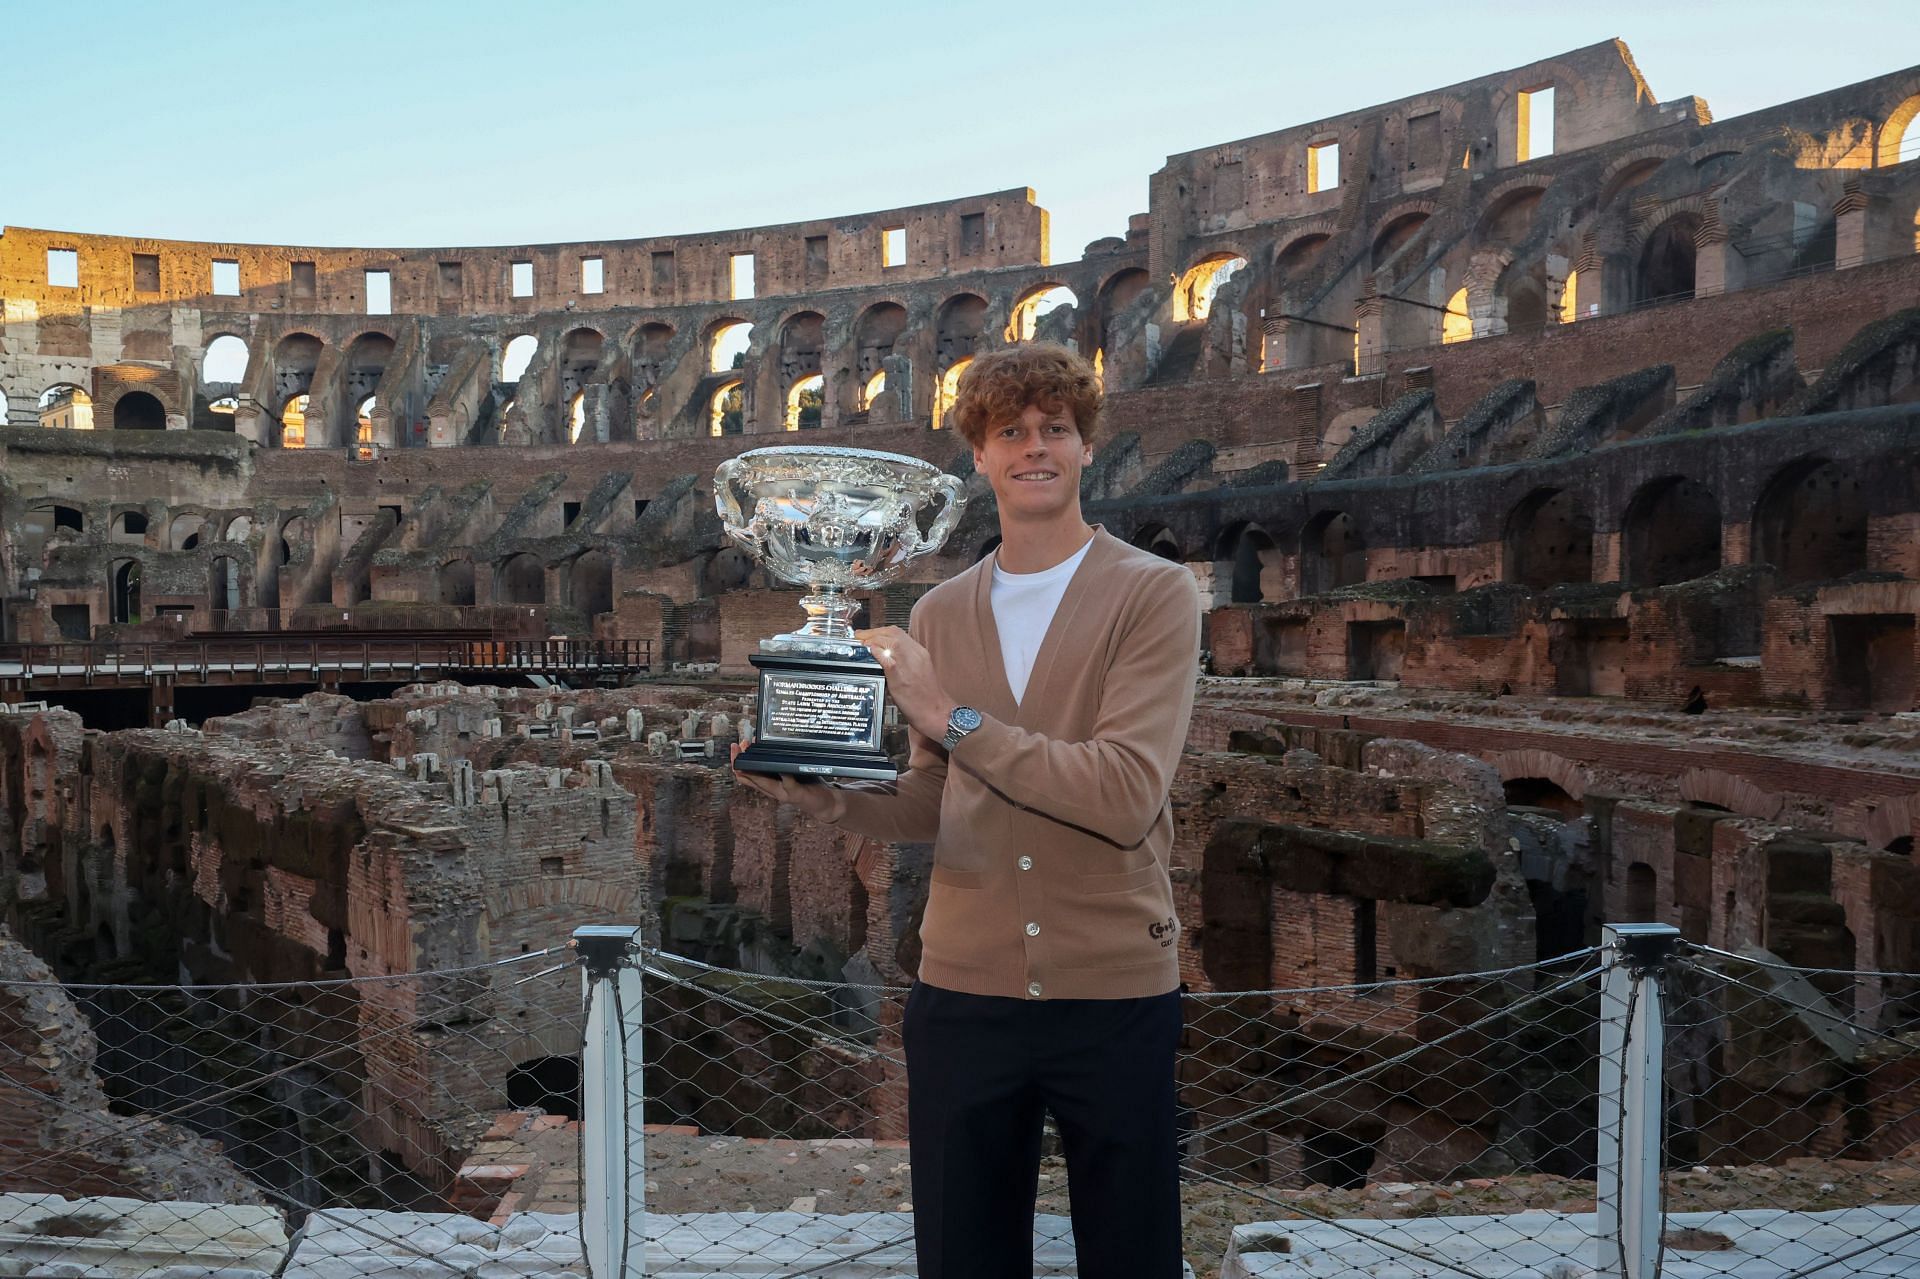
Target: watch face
[965, 718]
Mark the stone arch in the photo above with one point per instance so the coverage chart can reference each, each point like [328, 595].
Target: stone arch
[727, 408]
[803, 340]
[1810, 522]
[875, 333]
[1246, 560]
[1398, 227]
[1508, 211]
[224, 360]
[1891, 820]
[1038, 300]
[1549, 540]
[1899, 141]
[66, 406]
[520, 579]
[1521, 764]
[453, 583]
[224, 581]
[1666, 263]
[139, 411]
[1729, 791]
[516, 355]
[590, 583]
[1670, 533]
[1159, 539]
[729, 340]
[958, 327]
[124, 579]
[580, 353]
[1193, 295]
[1630, 169]
[1304, 241]
[1333, 553]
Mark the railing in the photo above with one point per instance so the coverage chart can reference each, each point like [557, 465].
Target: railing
[371, 657]
[1643, 1108]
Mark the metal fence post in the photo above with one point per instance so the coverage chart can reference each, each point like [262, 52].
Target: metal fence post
[1632, 1045]
[613, 1175]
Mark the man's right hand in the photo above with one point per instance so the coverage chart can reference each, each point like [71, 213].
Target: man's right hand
[817, 800]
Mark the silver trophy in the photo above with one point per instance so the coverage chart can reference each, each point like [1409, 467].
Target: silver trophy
[830, 520]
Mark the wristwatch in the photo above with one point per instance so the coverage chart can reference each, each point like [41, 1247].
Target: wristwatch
[963, 721]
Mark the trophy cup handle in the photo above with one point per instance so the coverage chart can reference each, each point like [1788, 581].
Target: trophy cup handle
[948, 487]
[748, 530]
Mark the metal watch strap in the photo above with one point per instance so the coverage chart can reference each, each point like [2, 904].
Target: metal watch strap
[954, 729]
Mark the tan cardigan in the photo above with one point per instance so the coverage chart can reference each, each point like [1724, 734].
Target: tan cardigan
[1050, 823]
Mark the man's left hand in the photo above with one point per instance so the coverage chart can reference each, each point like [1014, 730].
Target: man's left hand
[911, 679]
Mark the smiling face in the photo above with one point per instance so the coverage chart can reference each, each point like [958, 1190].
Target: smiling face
[1033, 463]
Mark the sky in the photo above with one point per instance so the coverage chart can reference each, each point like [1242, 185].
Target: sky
[415, 123]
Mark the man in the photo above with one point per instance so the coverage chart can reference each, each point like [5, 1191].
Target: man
[1047, 691]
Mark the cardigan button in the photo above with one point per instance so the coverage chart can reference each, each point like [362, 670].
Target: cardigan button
[1033, 989]
[1033, 930]
[1026, 863]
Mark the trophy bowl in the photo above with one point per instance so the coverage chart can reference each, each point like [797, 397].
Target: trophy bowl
[831, 520]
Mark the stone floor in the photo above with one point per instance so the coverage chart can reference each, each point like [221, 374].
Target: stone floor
[1750, 1244]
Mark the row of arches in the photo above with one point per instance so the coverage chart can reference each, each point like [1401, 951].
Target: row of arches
[64, 406]
[1810, 524]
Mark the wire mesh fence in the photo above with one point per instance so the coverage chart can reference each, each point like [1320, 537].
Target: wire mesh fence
[1451, 1126]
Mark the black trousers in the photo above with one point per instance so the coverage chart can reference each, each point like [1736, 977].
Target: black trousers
[981, 1070]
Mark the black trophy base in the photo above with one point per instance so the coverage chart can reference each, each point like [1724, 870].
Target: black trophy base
[818, 717]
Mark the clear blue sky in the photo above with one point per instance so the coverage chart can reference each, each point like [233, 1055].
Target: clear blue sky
[413, 123]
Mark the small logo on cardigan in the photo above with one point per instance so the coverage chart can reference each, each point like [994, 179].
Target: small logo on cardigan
[1163, 931]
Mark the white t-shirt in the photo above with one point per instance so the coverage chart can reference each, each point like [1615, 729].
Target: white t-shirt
[1023, 608]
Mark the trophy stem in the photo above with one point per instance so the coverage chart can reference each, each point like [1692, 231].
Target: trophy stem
[829, 628]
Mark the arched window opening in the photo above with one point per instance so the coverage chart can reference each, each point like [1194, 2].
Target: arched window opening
[803, 403]
[225, 363]
[1666, 272]
[1811, 523]
[518, 355]
[1333, 553]
[1246, 564]
[455, 585]
[1541, 792]
[1569, 308]
[1549, 541]
[184, 533]
[1456, 325]
[521, 580]
[727, 411]
[1193, 299]
[1161, 541]
[139, 411]
[874, 335]
[1029, 310]
[224, 589]
[66, 407]
[727, 349]
[130, 528]
[871, 391]
[957, 330]
[126, 592]
[1672, 533]
[293, 423]
[70, 518]
[949, 392]
[226, 405]
[590, 583]
[1899, 139]
[1394, 237]
[576, 416]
